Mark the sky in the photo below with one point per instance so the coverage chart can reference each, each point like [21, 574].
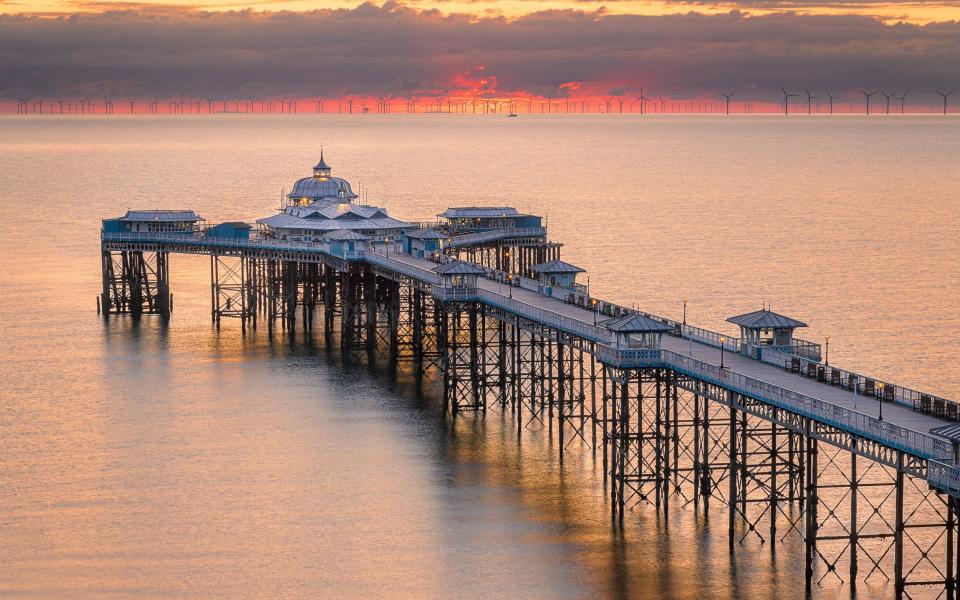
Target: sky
[468, 48]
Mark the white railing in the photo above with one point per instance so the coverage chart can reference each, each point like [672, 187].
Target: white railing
[495, 234]
[862, 384]
[547, 317]
[399, 266]
[210, 242]
[454, 294]
[944, 477]
[914, 442]
[629, 356]
[710, 338]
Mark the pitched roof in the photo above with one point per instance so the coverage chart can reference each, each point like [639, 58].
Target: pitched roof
[234, 224]
[635, 323]
[556, 266]
[765, 319]
[346, 234]
[479, 212]
[459, 267]
[160, 215]
[951, 432]
[424, 234]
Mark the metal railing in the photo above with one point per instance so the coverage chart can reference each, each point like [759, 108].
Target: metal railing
[629, 357]
[943, 477]
[885, 432]
[547, 317]
[469, 239]
[454, 294]
[710, 338]
[404, 268]
[215, 242]
[863, 385]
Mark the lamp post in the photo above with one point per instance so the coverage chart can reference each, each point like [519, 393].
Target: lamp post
[723, 342]
[510, 283]
[594, 301]
[684, 310]
[880, 398]
[826, 359]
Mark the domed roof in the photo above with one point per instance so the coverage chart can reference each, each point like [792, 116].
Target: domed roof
[321, 186]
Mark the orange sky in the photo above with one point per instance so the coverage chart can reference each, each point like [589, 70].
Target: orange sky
[918, 12]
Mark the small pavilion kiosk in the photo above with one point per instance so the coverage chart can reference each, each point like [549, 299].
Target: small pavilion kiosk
[347, 244]
[422, 243]
[634, 331]
[765, 328]
[458, 281]
[559, 275]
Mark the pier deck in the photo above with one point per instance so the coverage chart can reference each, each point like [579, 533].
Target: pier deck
[735, 362]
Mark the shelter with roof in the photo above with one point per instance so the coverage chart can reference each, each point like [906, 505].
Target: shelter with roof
[557, 273]
[765, 328]
[459, 274]
[153, 221]
[346, 243]
[473, 219]
[633, 330]
[322, 204]
[422, 243]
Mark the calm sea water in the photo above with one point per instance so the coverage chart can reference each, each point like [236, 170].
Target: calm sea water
[167, 462]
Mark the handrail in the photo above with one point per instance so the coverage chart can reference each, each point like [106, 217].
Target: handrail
[560, 322]
[914, 442]
[407, 269]
[201, 240]
[710, 338]
[869, 386]
[495, 234]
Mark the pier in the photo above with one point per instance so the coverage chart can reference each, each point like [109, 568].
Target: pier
[756, 430]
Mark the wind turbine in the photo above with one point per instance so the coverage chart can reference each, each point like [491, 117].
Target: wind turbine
[786, 100]
[888, 97]
[643, 102]
[867, 95]
[727, 98]
[830, 96]
[945, 95]
[810, 100]
[903, 100]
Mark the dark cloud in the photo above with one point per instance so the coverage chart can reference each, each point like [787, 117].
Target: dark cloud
[394, 50]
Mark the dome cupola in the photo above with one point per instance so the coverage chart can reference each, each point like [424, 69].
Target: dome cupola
[321, 187]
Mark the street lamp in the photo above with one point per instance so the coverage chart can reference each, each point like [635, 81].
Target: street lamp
[595, 311]
[684, 310]
[826, 360]
[723, 342]
[880, 398]
[510, 283]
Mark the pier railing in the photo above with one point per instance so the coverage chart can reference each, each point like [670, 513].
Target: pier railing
[481, 237]
[220, 242]
[944, 477]
[404, 268]
[710, 338]
[914, 442]
[863, 385]
[546, 317]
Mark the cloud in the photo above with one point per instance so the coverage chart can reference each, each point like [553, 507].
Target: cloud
[395, 50]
